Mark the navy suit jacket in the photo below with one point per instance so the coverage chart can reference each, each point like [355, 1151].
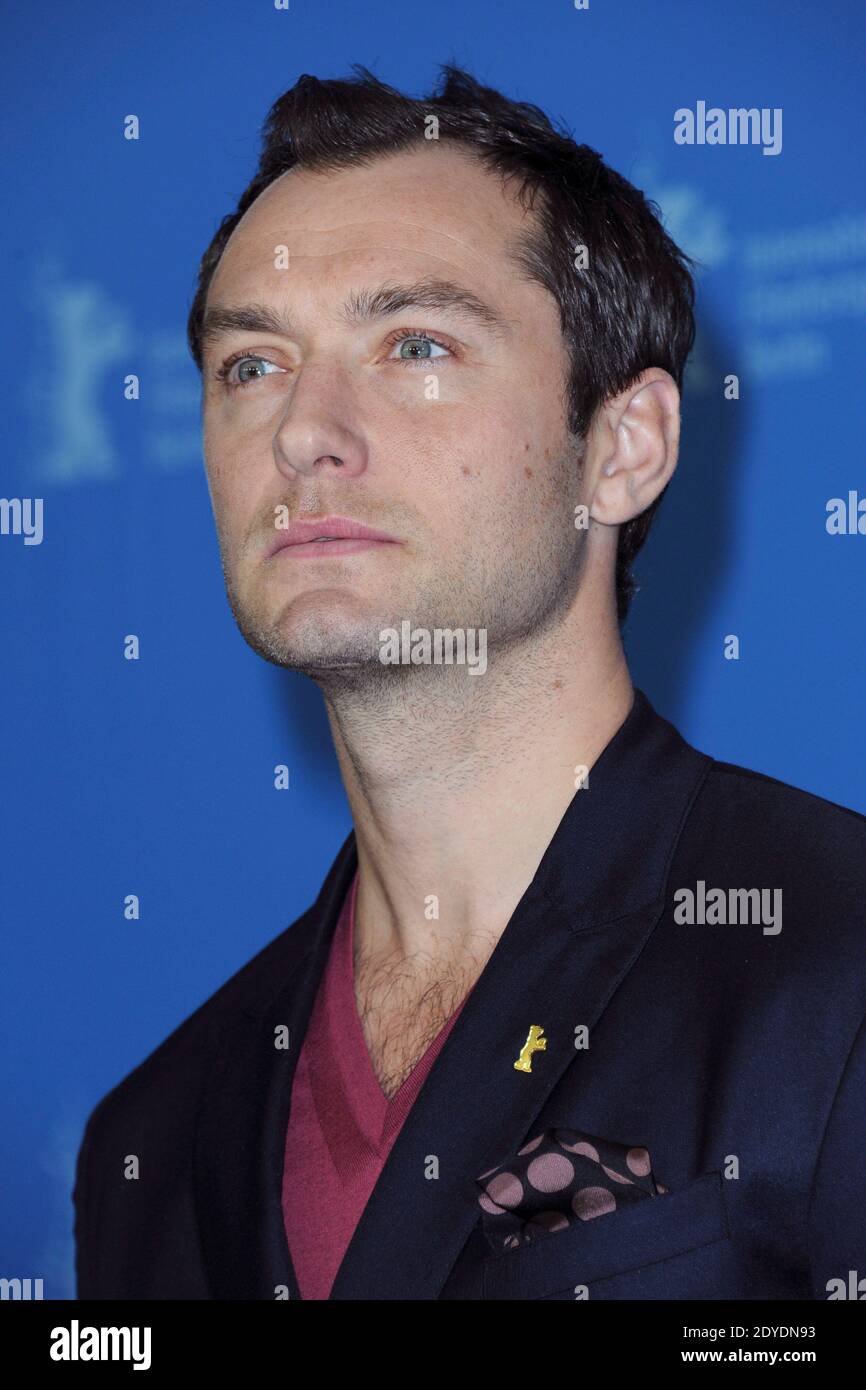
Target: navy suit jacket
[734, 1054]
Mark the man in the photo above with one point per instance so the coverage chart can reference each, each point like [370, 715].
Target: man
[579, 1011]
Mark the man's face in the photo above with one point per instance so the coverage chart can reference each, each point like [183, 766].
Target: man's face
[457, 448]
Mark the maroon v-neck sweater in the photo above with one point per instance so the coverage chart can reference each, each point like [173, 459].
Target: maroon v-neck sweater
[341, 1126]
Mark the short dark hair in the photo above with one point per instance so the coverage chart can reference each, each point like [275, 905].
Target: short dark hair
[630, 309]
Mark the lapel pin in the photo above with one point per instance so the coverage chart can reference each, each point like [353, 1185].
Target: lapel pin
[535, 1042]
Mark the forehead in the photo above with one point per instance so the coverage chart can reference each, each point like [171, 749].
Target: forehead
[437, 205]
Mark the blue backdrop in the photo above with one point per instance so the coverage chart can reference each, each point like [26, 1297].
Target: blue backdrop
[155, 777]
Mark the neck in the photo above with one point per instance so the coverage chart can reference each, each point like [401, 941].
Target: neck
[457, 783]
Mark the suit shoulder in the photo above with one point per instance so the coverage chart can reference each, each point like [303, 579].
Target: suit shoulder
[770, 794]
[777, 856]
[748, 821]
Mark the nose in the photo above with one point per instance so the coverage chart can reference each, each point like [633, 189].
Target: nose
[316, 434]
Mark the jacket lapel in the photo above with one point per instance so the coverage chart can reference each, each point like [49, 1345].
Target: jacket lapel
[575, 934]
[475, 1107]
[596, 896]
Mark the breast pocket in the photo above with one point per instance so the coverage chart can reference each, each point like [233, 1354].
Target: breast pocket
[660, 1228]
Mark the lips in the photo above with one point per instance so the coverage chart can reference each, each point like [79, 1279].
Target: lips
[341, 534]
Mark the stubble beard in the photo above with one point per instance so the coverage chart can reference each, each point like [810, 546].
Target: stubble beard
[340, 650]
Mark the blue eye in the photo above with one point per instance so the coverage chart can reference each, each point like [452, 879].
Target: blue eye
[414, 341]
[241, 360]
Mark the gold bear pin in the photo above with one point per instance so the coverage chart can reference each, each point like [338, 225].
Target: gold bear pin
[535, 1042]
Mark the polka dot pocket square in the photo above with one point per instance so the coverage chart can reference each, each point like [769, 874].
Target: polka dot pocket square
[560, 1177]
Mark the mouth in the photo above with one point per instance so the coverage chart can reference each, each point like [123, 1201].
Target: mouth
[331, 536]
[330, 545]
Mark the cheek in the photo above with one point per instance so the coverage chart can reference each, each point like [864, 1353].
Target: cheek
[230, 501]
[216, 471]
[487, 461]
[240, 428]
[232, 462]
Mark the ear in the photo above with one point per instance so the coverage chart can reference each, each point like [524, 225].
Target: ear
[632, 449]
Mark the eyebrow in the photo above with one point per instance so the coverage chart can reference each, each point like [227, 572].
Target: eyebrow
[361, 306]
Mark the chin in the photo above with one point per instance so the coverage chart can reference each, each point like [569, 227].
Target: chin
[323, 638]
